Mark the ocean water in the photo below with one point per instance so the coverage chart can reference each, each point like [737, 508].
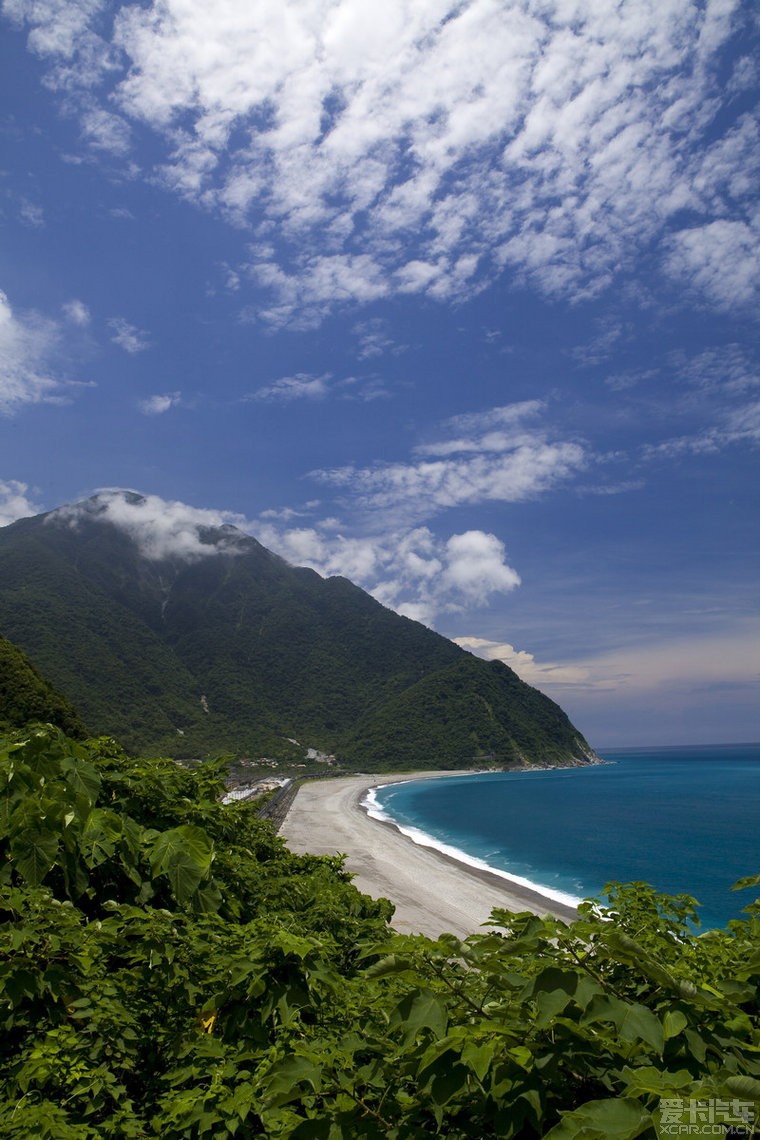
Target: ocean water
[686, 820]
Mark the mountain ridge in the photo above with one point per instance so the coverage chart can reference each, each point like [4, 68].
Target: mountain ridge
[184, 637]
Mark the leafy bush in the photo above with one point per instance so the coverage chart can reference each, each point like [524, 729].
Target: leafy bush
[168, 968]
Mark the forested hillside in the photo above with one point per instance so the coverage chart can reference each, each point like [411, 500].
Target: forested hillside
[218, 644]
[25, 695]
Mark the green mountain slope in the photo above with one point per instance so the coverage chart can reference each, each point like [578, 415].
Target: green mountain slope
[472, 710]
[26, 696]
[210, 641]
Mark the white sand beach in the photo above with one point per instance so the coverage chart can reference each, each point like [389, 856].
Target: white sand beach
[431, 892]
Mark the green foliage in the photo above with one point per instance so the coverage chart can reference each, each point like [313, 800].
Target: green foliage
[470, 712]
[26, 696]
[168, 968]
[241, 652]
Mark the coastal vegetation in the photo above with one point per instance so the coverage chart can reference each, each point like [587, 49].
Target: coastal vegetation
[229, 648]
[169, 968]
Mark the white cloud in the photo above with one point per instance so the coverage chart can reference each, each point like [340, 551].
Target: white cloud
[727, 658]
[76, 312]
[720, 391]
[162, 529]
[475, 566]
[298, 387]
[424, 148]
[304, 386]
[373, 339]
[719, 260]
[158, 404]
[495, 430]
[510, 463]
[28, 345]
[127, 336]
[666, 691]
[14, 502]
[725, 371]
[542, 675]
[105, 131]
[739, 425]
[385, 548]
[31, 214]
[411, 571]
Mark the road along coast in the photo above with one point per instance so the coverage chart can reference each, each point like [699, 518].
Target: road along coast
[431, 891]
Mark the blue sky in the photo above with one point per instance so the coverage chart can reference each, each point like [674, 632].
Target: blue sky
[458, 300]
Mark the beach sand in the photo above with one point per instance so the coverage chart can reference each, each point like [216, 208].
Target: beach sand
[431, 892]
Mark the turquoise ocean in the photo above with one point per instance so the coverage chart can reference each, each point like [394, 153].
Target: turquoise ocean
[686, 820]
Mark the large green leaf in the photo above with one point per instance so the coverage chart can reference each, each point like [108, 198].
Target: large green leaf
[34, 851]
[633, 1022]
[284, 1080]
[422, 1009]
[100, 835]
[640, 1024]
[82, 778]
[748, 1087]
[184, 855]
[390, 964]
[603, 1120]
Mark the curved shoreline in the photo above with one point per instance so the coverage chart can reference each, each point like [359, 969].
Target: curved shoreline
[433, 892]
[548, 896]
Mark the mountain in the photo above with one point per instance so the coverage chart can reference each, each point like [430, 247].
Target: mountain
[181, 637]
[25, 696]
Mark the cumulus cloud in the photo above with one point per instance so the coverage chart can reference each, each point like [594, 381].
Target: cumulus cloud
[475, 566]
[127, 336]
[411, 571]
[424, 148]
[162, 529]
[498, 454]
[29, 343]
[160, 403]
[541, 674]
[15, 502]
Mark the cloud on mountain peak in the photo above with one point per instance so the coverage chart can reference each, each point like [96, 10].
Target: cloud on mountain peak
[161, 529]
